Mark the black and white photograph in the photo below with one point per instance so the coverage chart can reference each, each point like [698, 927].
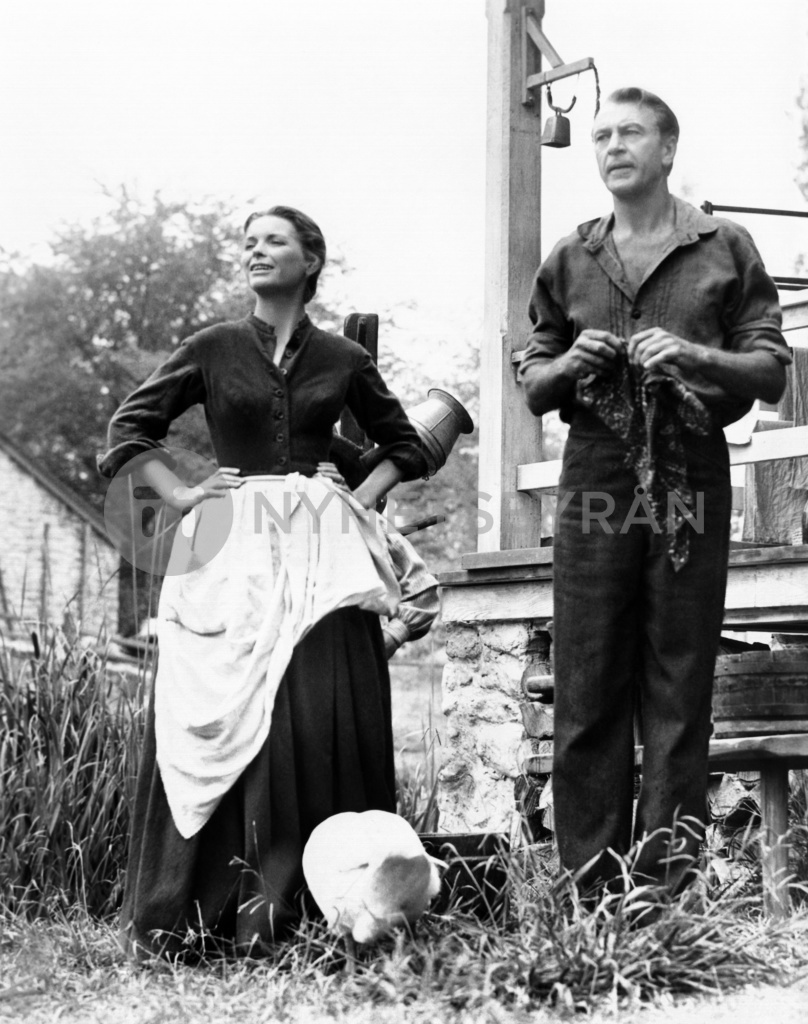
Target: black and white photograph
[404, 511]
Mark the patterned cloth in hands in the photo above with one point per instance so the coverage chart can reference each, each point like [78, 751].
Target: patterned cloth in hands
[650, 412]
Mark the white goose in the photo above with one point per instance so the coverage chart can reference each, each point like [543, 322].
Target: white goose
[368, 873]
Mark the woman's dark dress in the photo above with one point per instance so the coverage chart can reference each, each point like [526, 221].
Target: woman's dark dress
[330, 749]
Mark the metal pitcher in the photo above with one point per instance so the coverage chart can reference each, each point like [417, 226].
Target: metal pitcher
[440, 420]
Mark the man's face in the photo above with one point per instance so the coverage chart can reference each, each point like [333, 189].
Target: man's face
[633, 158]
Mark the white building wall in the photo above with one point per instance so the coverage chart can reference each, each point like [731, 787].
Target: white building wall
[51, 559]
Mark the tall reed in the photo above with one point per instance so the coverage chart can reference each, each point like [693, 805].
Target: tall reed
[70, 734]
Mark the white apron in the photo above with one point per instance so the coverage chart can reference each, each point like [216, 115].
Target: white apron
[297, 549]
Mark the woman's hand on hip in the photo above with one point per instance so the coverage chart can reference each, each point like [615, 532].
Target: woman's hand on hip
[215, 486]
[330, 472]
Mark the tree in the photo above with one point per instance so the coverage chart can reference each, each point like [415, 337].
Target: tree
[78, 333]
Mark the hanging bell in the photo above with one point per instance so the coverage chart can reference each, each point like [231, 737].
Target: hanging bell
[556, 132]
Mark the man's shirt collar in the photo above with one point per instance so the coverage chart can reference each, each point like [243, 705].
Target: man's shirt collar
[690, 225]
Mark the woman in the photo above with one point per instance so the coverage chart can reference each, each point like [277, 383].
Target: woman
[272, 702]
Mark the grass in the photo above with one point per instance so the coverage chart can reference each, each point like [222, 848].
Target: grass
[69, 742]
[546, 959]
[68, 750]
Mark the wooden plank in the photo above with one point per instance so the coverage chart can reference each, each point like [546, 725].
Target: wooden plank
[795, 311]
[538, 476]
[774, 854]
[793, 746]
[533, 28]
[724, 727]
[499, 559]
[762, 555]
[741, 552]
[798, 338]
[767, 588]
[483, 577]
[763, 446]
[768, 445]
[751, 563]
[775, 585]
[562, 71]
[498, 602]
[766, 594]
[509, 433]
[746, 753]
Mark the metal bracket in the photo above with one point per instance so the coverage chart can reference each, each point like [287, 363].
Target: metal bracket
[531, 29]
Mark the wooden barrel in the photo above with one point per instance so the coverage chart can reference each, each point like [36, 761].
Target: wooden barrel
[761, 692]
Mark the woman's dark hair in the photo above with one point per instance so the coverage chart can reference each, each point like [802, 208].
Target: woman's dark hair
[310, 235]
[666, 120]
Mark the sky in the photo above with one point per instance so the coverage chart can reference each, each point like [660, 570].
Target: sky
[370, 116]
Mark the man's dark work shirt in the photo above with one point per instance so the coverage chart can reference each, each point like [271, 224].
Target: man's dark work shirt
[708, 286]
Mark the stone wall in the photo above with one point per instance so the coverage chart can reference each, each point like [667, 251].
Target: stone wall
[488, 704]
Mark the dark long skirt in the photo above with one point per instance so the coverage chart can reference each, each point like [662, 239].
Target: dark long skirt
[238, 883]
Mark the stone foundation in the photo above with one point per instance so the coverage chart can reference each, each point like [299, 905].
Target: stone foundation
[492, 722]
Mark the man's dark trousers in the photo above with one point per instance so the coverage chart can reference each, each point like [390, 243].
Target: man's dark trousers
[630, 630]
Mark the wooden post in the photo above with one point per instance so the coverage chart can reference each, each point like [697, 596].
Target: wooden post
[509, 434]
[44, 583]
[774, 855]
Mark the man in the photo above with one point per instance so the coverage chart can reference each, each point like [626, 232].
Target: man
[653, 328]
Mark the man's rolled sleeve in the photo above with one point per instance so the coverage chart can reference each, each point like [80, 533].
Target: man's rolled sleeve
[753, 317]
[551, 335]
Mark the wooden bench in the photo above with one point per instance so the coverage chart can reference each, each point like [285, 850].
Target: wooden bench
[773, 757]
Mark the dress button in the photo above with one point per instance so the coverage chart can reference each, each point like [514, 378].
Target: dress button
[279, 437]
[283, 371]
[636, 314]
[282, 460]
[278, 414]
[278, 392]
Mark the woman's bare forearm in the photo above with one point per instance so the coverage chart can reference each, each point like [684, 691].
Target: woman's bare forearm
[379, 481]
[179, 495]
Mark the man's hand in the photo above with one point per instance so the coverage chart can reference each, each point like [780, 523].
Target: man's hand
[657, 349]
[591, 352]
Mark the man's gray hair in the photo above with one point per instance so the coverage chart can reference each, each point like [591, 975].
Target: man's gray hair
[666, 120]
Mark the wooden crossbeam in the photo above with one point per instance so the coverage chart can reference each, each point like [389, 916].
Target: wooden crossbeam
[795, 312]
[555, 74]
[764, 446]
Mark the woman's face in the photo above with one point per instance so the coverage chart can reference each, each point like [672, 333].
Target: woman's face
[273, 259]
